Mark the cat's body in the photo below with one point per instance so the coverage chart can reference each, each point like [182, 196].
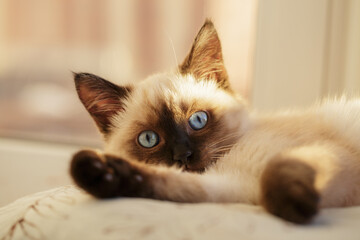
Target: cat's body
[315, 137]
[290, 162]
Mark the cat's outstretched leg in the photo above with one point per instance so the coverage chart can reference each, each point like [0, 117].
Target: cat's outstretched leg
[297, 182]
[106, 176]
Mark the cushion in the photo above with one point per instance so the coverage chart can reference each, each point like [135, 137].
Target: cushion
[69, 213]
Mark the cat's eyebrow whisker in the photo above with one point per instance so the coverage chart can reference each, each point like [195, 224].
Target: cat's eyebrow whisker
[173, 49]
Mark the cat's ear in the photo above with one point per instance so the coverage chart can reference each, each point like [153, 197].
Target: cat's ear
[205, 60]
[101, 98]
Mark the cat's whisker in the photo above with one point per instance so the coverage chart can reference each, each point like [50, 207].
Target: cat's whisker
[215, 158]
[230, 135]
[225, 146]
[219, 143]
[173, 49]
[224, 139]
[221, 150]
[218, 153]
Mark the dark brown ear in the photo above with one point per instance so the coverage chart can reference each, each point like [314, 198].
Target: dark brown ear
[101, 98]
[205, 60]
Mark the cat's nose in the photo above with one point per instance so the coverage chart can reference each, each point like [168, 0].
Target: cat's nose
[182, 154]
[183, 158]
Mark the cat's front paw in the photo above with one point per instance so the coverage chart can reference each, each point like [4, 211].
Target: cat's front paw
[93, 174]
[288, 191]
[106, 176]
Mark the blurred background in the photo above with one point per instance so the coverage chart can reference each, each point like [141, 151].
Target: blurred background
[279, 54]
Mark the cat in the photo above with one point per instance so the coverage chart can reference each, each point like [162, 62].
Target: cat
[186, 136]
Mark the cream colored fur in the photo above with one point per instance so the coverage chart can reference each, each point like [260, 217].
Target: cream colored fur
[326, 137]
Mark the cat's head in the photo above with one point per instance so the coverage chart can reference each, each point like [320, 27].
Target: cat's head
[189, 117]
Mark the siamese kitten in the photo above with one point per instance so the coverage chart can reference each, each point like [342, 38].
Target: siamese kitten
[185, 136]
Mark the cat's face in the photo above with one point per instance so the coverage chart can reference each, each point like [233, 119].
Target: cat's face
[188, 118]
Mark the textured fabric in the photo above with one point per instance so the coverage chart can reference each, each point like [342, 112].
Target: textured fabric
[68, 213]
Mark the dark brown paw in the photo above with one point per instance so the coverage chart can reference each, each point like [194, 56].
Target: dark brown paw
[111, 177]
[92, 174]
[288, 191]
[135, 181]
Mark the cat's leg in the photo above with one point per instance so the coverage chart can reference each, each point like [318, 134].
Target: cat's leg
[107, 176]
[297, 182]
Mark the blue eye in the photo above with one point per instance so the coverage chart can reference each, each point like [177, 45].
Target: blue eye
[198, 120]
[148, 139]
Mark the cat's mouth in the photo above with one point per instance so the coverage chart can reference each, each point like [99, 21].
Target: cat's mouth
[197, 166]
[188, 168]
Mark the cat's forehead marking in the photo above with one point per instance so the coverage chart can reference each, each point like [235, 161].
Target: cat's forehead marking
[183, 89]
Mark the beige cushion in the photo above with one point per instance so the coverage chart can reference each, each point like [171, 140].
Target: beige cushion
[68, 213]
